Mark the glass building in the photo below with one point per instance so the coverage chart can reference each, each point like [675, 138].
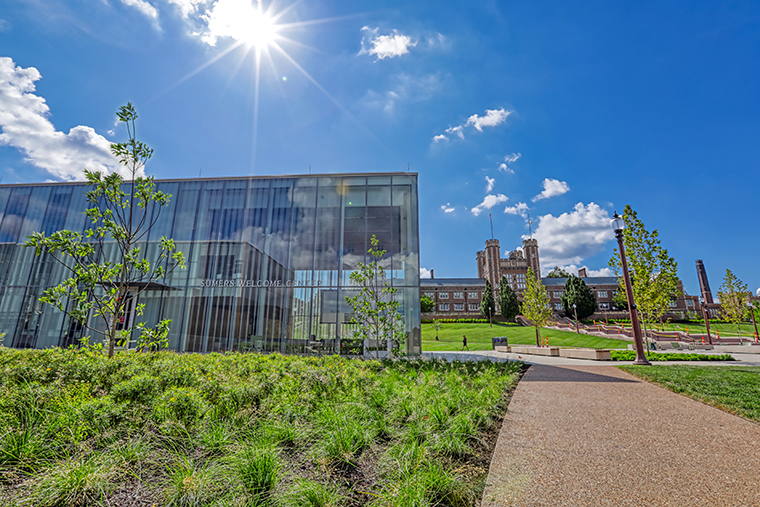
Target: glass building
[268, 261]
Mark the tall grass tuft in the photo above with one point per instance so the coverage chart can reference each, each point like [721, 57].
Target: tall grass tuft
[193, 484]
[258, 470]
[306, 493]
[80, 481]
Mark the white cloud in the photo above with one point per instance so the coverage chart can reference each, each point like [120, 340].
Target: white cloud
[572, 237]
[492, 118]
[600, 272]
[489, 202]
[447, 208]
[456, 131]
[440, 138]
[26, 127]
[509, 159]
[518, 209]
[424, 273]
[385, 46]
[5, 25]
[404, 89]
[187, 7]
[552, 188]
[144, 7]
[757, 292]
[490, 183]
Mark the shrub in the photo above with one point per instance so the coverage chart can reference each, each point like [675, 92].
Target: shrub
[630, 355]
[180, 404]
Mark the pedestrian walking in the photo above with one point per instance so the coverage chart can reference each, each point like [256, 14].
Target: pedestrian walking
[464, 342]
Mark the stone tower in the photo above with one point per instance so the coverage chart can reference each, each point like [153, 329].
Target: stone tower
[530, 247]
[491, 262]
[704, 285]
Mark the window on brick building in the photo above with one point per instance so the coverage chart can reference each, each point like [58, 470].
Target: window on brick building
[472, 295]
[557, 306]
[431, 295]
[601, 294]
[443, 295]
[689, 303]
[474, 308]
[672, 303]
[444, 307]
[459, 295]
[604, 306]
[557, 294]
[458, 308]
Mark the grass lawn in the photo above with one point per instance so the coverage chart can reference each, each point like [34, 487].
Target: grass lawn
[748, 330]
[77, 428]
[479, 337]
[731, 388]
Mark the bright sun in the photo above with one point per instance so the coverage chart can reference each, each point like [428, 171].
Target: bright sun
[245, 22]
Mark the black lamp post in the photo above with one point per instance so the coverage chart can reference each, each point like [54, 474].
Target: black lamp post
[704, 316]
[618, 225]
[575, 310]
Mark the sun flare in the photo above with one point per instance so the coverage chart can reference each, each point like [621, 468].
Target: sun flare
[243, 21]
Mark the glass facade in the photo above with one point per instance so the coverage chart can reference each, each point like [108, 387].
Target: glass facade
[268, 260]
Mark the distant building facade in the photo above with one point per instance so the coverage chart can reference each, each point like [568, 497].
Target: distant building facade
[460, 297]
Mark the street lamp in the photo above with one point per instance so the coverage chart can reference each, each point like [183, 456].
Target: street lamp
[752, 312]
[618, 225]
[575, 309]
[704, 316]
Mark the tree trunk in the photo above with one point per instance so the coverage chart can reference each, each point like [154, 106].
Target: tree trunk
[538, 337]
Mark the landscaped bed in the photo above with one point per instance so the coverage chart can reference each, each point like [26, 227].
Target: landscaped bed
[77, 428]
[630, 355]
[731, 388]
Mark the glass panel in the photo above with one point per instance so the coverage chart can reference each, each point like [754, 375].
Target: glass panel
[14, 214]
[35, 212]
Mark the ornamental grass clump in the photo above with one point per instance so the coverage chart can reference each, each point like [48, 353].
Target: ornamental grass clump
[77, 428]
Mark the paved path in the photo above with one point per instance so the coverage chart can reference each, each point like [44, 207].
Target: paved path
[490, 355]
[595, 435]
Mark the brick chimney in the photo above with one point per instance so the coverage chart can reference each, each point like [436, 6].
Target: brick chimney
[582, 273]
[432, 274]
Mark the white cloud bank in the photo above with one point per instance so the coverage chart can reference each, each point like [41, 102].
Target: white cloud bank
[492, 118]
[424, 273]
[489, 202]
[572, 237]
[447, 208]
[552, 188]
[490, 182]
[385, 46]
[26, 127]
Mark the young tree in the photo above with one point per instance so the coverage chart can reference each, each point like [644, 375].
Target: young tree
[437, 325]
[536, 303]
[122, 213]
[654, 274]
[508, 302]
[375, 309]
[426, 304]
[558, 272]
[734, 296]
[487, 303]
[578, 293]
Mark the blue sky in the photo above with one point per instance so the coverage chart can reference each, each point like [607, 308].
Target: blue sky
[565, 111]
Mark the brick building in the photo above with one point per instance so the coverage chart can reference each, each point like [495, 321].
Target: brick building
[460, 297]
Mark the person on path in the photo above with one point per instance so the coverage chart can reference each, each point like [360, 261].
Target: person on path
[464, 342]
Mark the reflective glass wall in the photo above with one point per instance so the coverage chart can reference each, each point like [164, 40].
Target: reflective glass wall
[269, 260]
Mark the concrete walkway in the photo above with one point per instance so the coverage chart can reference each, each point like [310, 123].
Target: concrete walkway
[591, 435]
